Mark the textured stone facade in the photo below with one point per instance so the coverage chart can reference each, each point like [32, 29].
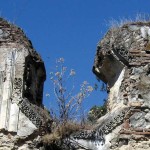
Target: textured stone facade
[22, 75]
[123, 62]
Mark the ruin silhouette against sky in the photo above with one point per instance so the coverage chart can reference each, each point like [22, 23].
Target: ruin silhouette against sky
[70, 29]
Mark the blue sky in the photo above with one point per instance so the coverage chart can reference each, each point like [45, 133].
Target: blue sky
[69, 29]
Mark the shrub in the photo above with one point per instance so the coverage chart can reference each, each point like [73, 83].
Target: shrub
[96, 112]
[61, 132]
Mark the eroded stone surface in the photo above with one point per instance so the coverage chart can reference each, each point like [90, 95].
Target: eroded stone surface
[122, 61]
[22, 75]
[129, 45]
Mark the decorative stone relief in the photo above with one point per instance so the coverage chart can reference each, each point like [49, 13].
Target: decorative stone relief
[128, 47]
[22, 116]
[122, 61]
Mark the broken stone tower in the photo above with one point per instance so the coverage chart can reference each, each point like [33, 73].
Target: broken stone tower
[122, 61]
[22, 75]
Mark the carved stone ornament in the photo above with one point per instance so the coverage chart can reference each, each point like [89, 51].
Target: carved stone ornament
[122, 61]
[21, 89]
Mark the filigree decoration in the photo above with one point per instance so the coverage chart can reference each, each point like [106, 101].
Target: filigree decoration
[99, 133]
[17, 83]
[28, 111]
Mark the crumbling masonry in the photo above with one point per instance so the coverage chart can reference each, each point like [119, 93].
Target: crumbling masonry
[122, 61]
[22, 75]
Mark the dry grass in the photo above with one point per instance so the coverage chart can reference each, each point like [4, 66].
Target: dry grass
[147, 46]
[138, 19]
[61, 132]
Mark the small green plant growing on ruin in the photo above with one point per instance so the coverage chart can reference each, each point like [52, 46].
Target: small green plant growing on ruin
[96, 112]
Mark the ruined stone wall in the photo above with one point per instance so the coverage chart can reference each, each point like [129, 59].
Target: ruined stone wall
[127, 80]
[122, 61]
[129, 48]
[22, 75]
